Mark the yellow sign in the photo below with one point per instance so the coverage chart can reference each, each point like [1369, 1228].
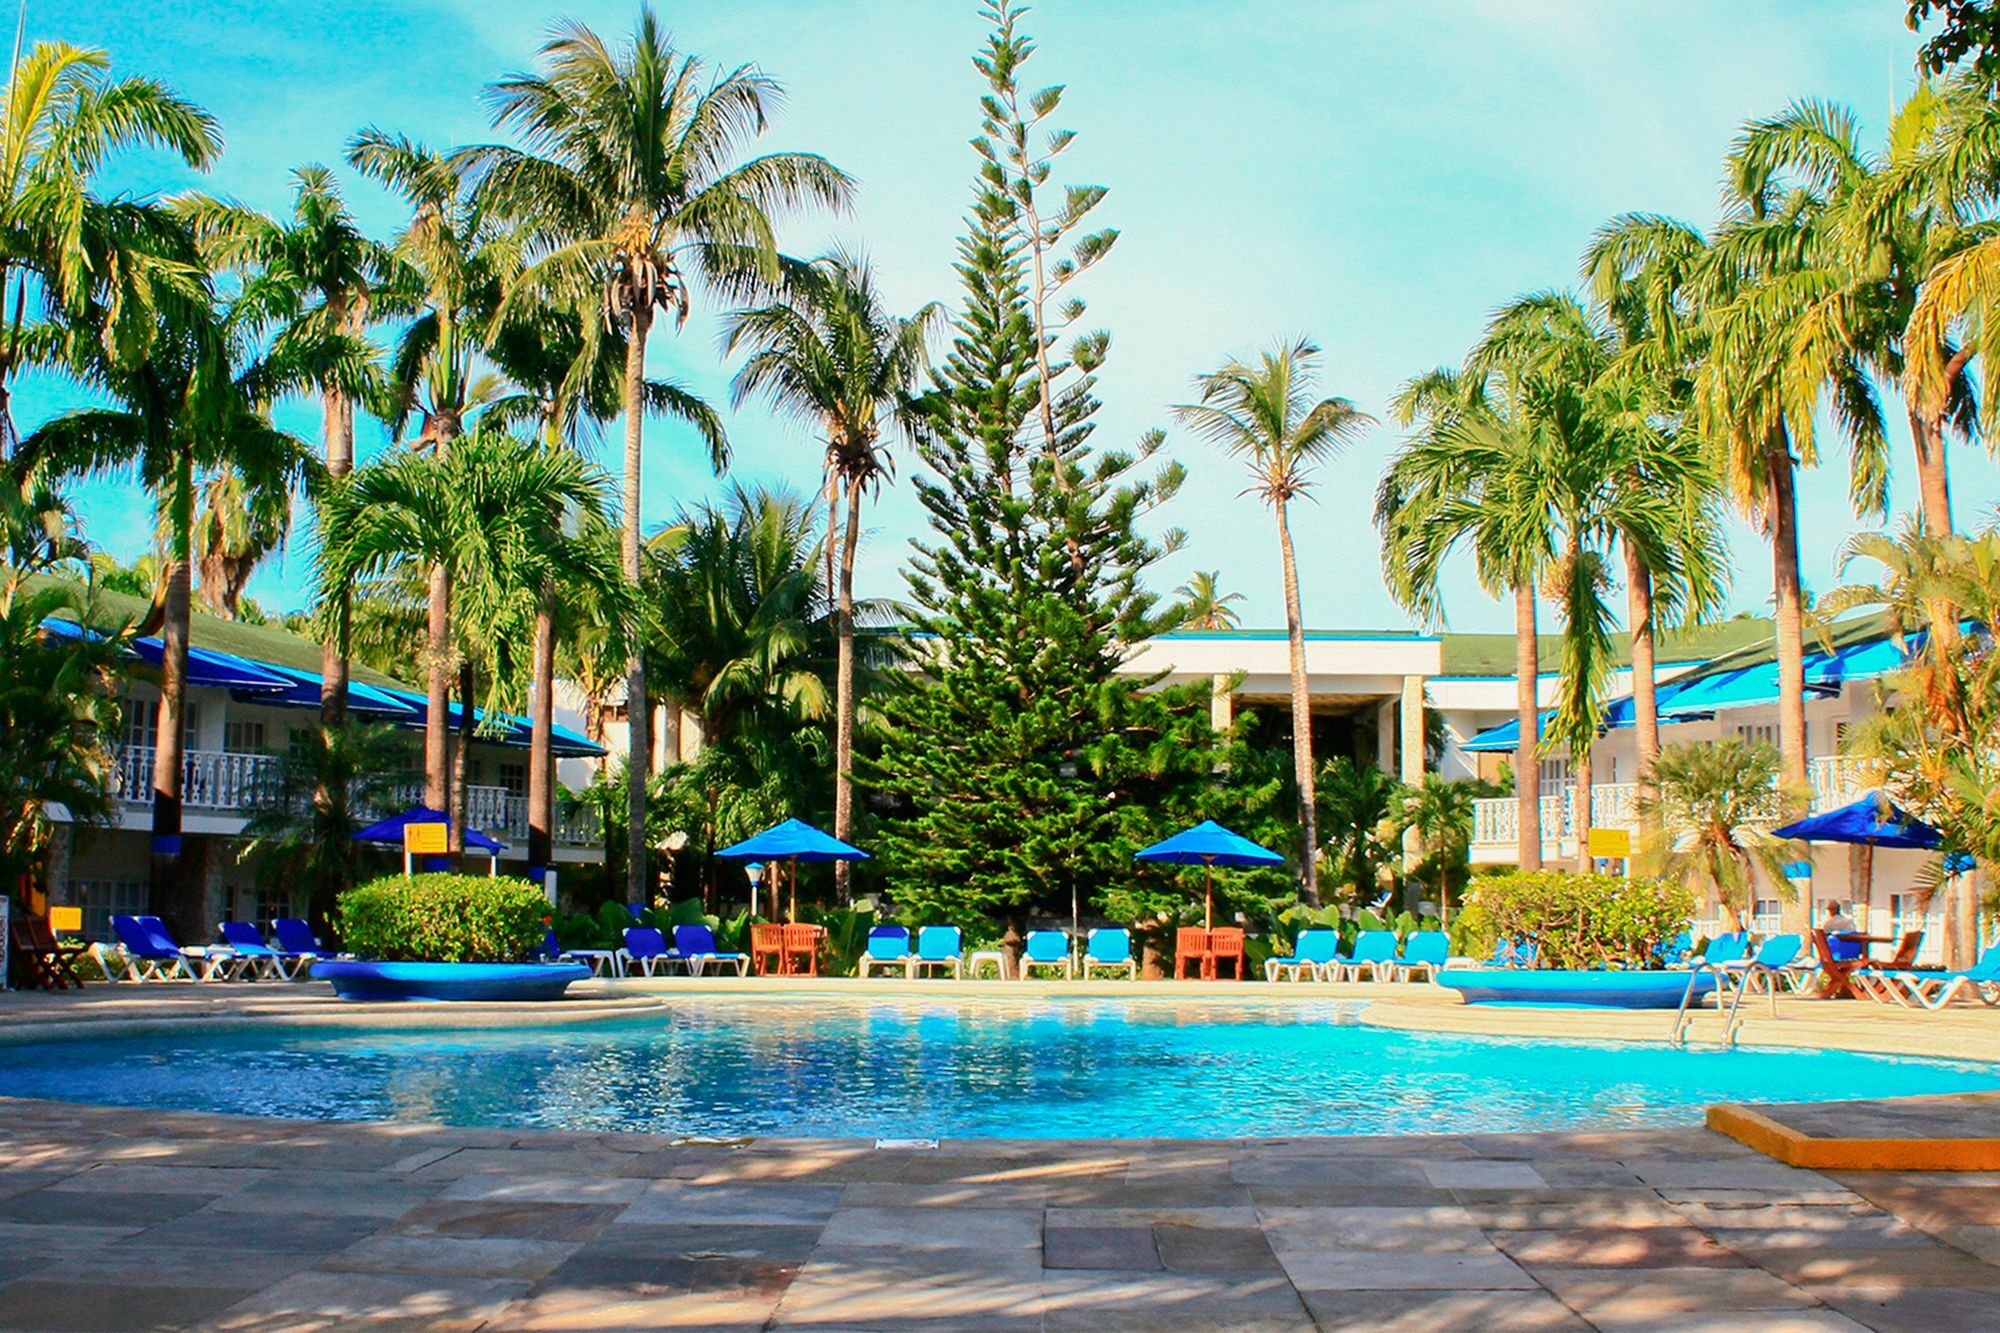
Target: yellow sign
[1610, 842]
[65, 918]
[425, 839]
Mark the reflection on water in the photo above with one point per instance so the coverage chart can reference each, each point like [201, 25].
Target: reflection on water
[812, 1066]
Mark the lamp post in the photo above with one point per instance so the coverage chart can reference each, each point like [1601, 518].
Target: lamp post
[755, 870]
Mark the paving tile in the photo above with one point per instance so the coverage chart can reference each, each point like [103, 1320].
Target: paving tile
[1617, 1247]
[988, 1229]
[1754, 1174]
[1083, 1301]
[1767, 1321]
[1932, 1206]
[1465, 1268]
[1432, 1230]
[131, 1180]
[881, 1289]
[1586, 1208]
[720, 1240]
[348, 1193]
[1351, 1196]
[1600, 1295]
[233, 1232]
[451, 1256]
[1901, 1308]
[1441, 1311]
[509, 1218]
[49, 1303]
[961, 1194]
[762, 1279]
[627, 1308]
[313, 1301]
[1214, 1249]
[1129, 1248]
[1244, 1216]
[1926, 1265]
[1478, 1174]
[91, 1208]
[547, 1189]
[53, 1240]
[1876, 1231]
[774, 1205]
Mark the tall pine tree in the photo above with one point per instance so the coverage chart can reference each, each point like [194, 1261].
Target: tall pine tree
[1027, 766]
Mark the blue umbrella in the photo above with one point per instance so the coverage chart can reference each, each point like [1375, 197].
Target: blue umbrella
[792, 841]
[1208, 844]
[1872, 821]
[390, 830]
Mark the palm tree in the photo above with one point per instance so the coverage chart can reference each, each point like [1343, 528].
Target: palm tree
[183, 407]
[635, 184]
[1205, 606]
[1263, 413]
[1715, 805]
[828, 353]
[312, 278]
[1438, 814]
[450, 264]
[479, 512]
[64, 115]
[238, 526]
[1354, 808]
[1473, 476]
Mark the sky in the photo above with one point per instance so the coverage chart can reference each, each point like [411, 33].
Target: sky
[1376, 175]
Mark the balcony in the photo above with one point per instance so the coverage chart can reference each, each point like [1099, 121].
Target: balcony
[220, 781]
[1496, 822]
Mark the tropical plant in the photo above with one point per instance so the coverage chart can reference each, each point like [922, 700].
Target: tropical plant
[1715, 806]
[184, 405]
[1355, 804]
[61, 244]
[1204, 605]
[238, 526]
[1580, 921]
[830, 353]
[635, 183]
[1264, 413]
[1438, 813]
[443, 918]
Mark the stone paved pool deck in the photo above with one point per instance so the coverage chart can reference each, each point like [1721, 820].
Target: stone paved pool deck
[122, 1218]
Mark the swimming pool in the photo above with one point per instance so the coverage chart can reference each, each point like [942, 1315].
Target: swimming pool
[1077, 1067]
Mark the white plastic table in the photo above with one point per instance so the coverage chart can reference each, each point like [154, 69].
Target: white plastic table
[997, 957]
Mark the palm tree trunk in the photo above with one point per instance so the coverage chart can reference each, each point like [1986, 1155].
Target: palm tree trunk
[437, 691]
[639, 741]
[541, 739]
[1580, 790]
[1645, 690]
[461, 761]
[1784, 526]
[843, 692]
[171, 896]
[1527, 705]
[338, 419]
[1933, 480]
[1302, 755]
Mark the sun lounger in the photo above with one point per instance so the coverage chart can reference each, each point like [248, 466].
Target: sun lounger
[888, 946]
[46, 962]
[1768, 965]
[296, 937]
[695, 947]
[1112, 948]
[147, 951]
[1313, 952]
[259, 957]
[599, 961]
[1374, 950]
[646, 949]
[1425, 951]
[1047, 948]
[939, 946]
[1935, 989]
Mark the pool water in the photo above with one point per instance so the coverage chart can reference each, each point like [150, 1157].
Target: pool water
[800, 1066]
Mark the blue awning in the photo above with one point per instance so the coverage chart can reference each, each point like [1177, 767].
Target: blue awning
[1756, 686]
[1620, 712]
[206, 667]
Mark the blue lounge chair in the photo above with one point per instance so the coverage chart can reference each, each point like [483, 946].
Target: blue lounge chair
[1934, 989]
[1313, 953]
[1374, 950]
[888, 946]
[147, 951]
[695, 947]
[296, 937]
[1674, 952]
[1112, 948]
[939, 946]
[599, 961]
[1047, 948]
[1425, 951]
[1769, 964]
[646, 949]
[259, 958]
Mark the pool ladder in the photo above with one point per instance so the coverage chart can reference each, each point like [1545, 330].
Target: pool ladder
[1684, 1018]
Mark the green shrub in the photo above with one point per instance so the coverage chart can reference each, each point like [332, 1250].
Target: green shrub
[444, 919]
[1573, 920]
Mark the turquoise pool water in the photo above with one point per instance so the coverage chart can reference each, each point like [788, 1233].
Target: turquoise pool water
[978, 1068]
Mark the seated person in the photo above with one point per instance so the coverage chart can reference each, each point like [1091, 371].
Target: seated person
[1836, 924]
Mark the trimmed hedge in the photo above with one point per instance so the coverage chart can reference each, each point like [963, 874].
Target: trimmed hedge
[1573, 920]
[443, 919]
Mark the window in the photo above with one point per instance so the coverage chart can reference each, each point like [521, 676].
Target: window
[102, 899]
[1554, 771]
[142, 724]
[514, 779]
[1765, 916]
[1758, 731]
[240, 736]
[1906, 912]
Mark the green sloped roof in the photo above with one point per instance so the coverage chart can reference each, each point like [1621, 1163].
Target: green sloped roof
[257, 643]
[1493, 654]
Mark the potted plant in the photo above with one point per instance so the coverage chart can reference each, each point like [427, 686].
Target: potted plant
[445, 937]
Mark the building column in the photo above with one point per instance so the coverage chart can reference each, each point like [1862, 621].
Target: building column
[1412, 771]
[1221, 707]
[1385, 736]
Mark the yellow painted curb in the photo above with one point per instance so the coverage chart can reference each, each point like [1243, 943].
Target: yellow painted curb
[1757, 1130]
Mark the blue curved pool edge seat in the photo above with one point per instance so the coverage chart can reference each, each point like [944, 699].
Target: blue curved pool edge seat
[354, 979]
[1598, 988]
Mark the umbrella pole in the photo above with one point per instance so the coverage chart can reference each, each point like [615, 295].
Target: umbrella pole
[1208, 895]
[792, 880]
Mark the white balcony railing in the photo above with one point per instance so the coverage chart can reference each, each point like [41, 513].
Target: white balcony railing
[1496, 820]
[220, 780]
